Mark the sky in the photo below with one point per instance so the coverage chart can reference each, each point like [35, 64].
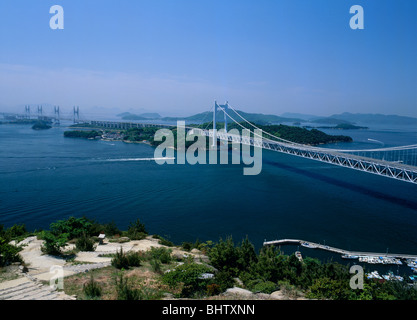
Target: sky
[176, 57]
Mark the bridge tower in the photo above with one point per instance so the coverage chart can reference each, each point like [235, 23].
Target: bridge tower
[56, 113]
[223, 107]
[40, 112]
[76, 114]
[27, 111]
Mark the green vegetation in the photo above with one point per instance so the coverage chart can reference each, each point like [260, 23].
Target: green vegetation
[252, 117]
[291, 133]
[136, 230]
[344, 126]
[83, 231]
[92, 289]
[124, 261]
[125, 291]
[188, 278]
[296, 134]
[86, 134]
[41, 125]
[9, 253]
[150, 274]
[85, 243]
[270, 269]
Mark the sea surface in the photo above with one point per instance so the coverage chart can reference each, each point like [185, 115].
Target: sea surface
[45, 177]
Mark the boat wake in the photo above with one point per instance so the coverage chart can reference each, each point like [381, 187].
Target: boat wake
[137, 159]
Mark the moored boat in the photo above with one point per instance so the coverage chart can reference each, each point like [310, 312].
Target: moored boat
[348, 256]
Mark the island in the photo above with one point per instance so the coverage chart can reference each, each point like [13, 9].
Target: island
[146, 134]
[297, 134]
[41, 125]
[345, 126]
[86, 134]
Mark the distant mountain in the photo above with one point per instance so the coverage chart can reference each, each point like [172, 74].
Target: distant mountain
[150, 115]
[252, 117]
[302, 116]
[376, 118]
[330, 120]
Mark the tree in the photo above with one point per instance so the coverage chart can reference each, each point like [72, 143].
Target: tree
[136, 230]
[247, 255]
[53, 243]
[73, 227]
[189, 275]
[9, 253]
[224, 256]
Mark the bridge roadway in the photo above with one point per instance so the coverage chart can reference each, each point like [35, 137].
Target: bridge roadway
[314, 245]
[395, 170]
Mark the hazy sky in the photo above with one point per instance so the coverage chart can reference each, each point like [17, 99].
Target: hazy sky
[176, 57]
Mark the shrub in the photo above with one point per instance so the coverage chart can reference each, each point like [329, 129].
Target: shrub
[224, 256]
[189, 274]
[16, 231]
[125, 291]
[52, 244]
[187, 246]
[136, 230]
[92, 289]
[163, 241]
[109, 229]
[265, 287]
[122, 260]
[156, 265]
[9, 253]
[224, 280]
[72, 227]
[85, 243]
[133, 259]
[213, 289]
[162, 254]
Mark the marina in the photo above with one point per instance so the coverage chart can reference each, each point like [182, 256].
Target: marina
[363, 257]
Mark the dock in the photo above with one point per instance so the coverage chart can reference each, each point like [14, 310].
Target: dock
[314, 245]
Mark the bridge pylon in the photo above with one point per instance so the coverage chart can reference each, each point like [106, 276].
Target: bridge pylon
[225, 107]
[76, 112]
[56, 114]
[27, 112]
[40, 112]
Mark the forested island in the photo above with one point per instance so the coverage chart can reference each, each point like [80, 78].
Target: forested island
[343, 126]
[146, 134]
[86, 134]
[41, 125]
[298, 135]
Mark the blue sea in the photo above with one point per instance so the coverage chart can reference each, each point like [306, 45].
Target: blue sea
[46, 177]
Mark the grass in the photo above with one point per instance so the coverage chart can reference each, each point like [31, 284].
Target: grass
[141, 278]
[7, 275]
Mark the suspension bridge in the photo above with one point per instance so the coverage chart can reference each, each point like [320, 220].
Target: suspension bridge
[398, 162]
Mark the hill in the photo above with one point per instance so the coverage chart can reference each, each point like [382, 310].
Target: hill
[259, 118]
[375, 118]
[330, 120]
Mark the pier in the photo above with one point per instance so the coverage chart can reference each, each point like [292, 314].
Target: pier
[314, 245]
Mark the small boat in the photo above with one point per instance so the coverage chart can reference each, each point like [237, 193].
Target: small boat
[348, 256]
[299, 256]
[374, 275]
[308, 245]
